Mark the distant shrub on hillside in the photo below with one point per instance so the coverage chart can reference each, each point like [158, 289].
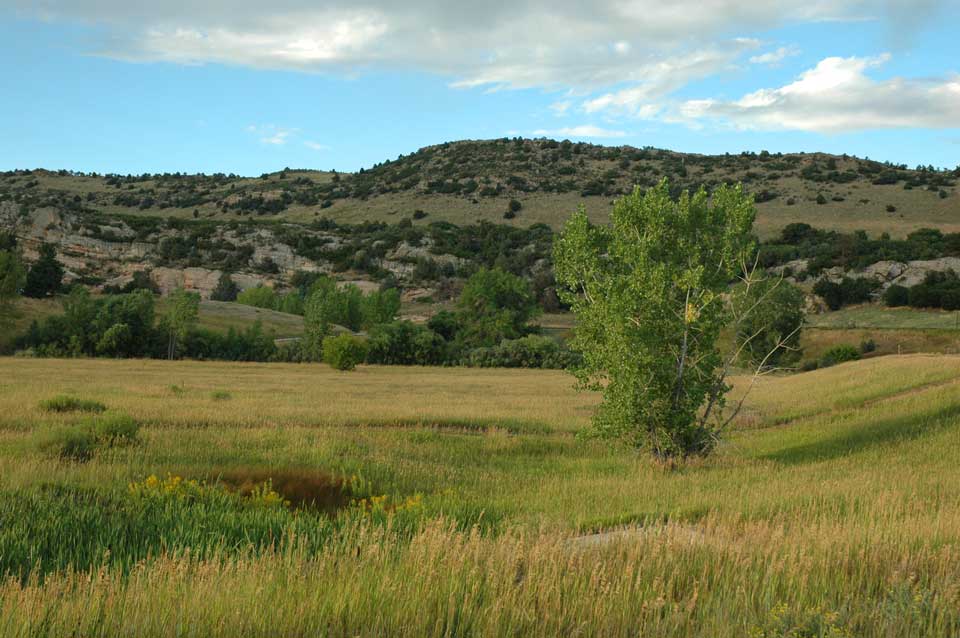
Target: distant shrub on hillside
[847, 291]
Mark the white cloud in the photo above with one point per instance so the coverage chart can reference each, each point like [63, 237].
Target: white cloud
[316, 146]
[584, 130]
[517, 44]
[774, 58]
[272, 134]
[838, 96]
[662, 77]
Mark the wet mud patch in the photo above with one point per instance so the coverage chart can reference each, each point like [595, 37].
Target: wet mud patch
[304, 489]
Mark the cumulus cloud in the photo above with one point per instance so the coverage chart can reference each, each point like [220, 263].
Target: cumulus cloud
[629, 56]
[584, 130]
[836, 96]
[516, 44]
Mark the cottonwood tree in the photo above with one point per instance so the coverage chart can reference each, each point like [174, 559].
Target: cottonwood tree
[12, 277]
[651, 296]
[181, 317]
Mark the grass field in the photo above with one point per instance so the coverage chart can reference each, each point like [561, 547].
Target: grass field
[892, 330]
[458, 502]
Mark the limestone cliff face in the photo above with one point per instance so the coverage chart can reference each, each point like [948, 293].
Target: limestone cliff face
[109, 255]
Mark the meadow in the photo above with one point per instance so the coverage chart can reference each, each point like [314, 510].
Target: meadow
[272, 499]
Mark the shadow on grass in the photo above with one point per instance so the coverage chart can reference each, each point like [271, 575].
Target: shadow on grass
[853, 440]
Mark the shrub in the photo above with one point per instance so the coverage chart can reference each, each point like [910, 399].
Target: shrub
[532, 351]
[821, 200]
[848, 291]
[114, 430]
[867, 346]
[68, 443]
[63, 403]
[405, 343]
[344, 351]
[220, 395]
[891, 208]
[80, 441]
[839, 354]
[259, 297]
[896, 296]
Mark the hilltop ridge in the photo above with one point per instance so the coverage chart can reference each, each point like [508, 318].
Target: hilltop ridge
[520, 182]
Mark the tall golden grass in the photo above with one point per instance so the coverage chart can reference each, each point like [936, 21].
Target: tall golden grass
[830, 511]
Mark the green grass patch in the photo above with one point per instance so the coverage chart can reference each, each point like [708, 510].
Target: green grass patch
[64, 403]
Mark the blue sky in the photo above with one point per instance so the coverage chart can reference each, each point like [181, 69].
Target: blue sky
[245, 87]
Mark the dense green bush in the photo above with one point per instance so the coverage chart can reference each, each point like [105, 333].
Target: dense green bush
[839, 354]
[532, 351]
[405, 343]
[344, 351]
[848, 291]
[251, 344]
[896, 296]
[259, 297]
[938, 290]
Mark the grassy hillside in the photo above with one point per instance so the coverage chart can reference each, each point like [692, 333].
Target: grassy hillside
[223, 315]
[829, 512]
[464, 182]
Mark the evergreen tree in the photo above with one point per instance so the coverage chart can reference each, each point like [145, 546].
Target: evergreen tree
[226, 290]
[46, 275]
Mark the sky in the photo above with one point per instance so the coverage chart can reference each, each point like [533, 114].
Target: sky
[238, 86]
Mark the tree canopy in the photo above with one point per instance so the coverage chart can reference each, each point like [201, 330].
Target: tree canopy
[649, 293]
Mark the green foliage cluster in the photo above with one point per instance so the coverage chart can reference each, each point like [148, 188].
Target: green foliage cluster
[769, 334]
[532, 351]
[12, 278]
[853, 251]
[126, 326]
[344, 351]
[937, 290]
[849, 290]
[648, 292]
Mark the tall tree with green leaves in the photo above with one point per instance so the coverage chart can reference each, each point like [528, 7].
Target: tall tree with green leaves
[650, 295]
[46, 274]
[184, 309]
[12, 278]
[493, 306]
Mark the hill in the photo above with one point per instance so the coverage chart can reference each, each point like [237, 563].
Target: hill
[468, 181]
